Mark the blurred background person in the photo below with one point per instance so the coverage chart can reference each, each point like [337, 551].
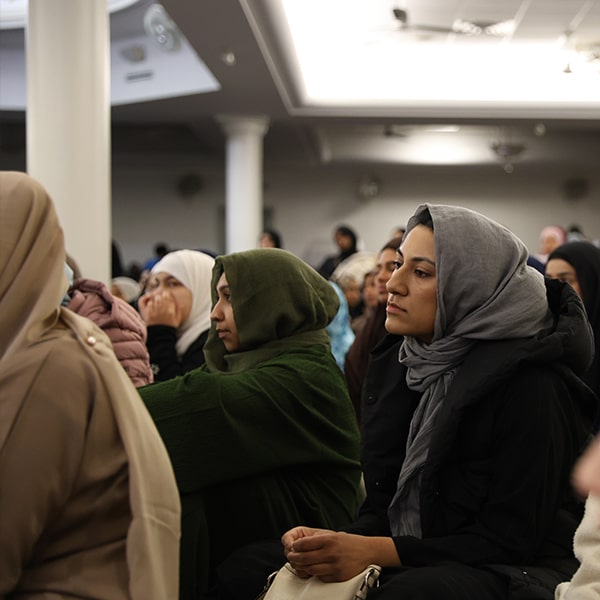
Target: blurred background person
[270, 239]
[551, 237]
[346, 242]
[373, 330]
[578, 263]
[176, 309]
[126, 288]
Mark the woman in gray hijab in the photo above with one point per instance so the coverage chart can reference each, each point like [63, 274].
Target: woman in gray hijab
[473, 415]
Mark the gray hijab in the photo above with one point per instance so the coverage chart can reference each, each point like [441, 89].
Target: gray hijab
[485, 291]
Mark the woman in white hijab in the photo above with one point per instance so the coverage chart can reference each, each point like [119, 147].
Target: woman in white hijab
[176, 309]
[88, 502]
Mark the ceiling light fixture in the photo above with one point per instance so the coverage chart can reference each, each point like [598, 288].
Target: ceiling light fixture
[489, 28]
[161, 29]
[507, 152]
[229, 58]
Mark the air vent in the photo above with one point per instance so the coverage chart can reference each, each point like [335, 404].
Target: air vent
[139, 76]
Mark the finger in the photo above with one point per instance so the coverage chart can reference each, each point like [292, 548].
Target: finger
[322, 570]
[305, 560]
[289, 537]
[315, 542]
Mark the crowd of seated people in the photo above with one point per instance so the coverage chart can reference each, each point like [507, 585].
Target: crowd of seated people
[184, 436]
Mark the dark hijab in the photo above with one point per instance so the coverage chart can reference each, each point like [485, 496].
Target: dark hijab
[584, 257]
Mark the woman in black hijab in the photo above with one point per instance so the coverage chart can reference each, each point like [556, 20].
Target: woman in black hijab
[578, 263]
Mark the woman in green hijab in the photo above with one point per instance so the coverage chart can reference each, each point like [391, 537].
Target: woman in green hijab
[263, 436]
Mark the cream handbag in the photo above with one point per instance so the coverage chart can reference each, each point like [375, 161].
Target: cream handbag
[286, 585]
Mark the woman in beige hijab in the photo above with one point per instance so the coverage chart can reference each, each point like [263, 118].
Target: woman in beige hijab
[88, 501]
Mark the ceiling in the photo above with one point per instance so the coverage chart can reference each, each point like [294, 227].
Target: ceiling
[472, 106]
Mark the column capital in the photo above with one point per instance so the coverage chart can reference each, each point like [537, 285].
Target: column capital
[240, 124]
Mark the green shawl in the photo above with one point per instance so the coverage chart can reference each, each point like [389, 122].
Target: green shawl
[265, 438]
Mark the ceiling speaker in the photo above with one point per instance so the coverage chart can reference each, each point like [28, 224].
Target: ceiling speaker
[576, 188]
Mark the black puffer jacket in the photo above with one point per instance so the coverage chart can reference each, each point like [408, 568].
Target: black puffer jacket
[495, 490]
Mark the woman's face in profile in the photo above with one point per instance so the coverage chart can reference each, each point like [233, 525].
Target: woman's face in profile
[412, 300]
[383, 271]
[222, 315]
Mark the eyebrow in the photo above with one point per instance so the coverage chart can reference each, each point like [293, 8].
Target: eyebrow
[415, 259]
[167, 277]
[223, 288]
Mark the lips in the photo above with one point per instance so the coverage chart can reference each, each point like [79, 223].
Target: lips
[394, 308]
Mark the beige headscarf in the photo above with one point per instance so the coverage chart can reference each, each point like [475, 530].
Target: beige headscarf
[32, 284]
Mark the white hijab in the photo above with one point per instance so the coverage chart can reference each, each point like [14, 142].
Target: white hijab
[194, 270]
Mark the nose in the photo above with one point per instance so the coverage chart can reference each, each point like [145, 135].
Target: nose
[396, 283]
[214, 314]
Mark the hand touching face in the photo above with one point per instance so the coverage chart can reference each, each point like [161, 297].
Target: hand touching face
[166, 302]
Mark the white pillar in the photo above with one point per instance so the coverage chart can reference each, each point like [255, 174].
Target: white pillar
[243, 181]
[68, 122]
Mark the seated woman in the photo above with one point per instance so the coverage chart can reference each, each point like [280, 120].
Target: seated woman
[89, 506]
[176, 308]
[264, 434]
[578, 263]
[357, 358]
[472, 418]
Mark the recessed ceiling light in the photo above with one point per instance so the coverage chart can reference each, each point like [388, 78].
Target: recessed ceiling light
[229, 58]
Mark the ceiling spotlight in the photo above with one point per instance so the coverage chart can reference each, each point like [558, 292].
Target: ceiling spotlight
[161, 29]
[229, 58]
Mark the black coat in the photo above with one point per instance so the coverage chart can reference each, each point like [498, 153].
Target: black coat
[163, 356]
[495, 489]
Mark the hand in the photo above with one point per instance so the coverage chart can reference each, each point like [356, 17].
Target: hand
[335, 556]
[159, 308]
[586, 475]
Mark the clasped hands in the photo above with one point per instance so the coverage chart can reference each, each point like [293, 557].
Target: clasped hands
[335, 555]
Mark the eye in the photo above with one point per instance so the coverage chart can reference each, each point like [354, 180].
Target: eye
[421, 273]
[397, 265]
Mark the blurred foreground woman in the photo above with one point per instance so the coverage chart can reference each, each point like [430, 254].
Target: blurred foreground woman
[88, 501]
